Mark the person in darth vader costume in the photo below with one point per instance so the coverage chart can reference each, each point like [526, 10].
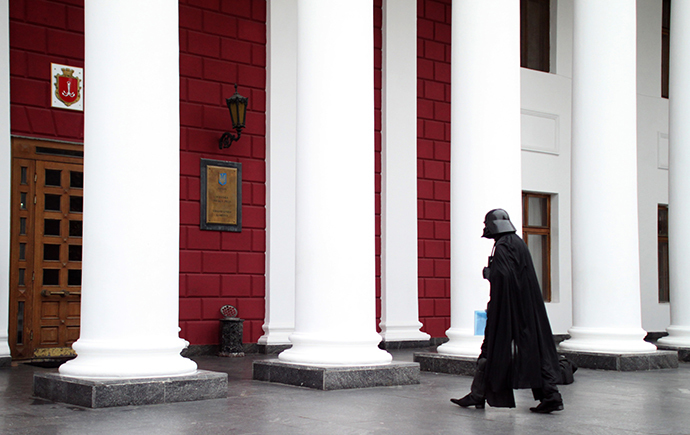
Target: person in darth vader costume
[518, 349]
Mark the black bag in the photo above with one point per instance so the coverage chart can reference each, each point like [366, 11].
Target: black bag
[567, 369]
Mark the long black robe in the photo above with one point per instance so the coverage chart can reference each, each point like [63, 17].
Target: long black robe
[518, 343]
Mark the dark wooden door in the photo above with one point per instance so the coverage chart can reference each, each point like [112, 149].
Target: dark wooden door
[45, 282]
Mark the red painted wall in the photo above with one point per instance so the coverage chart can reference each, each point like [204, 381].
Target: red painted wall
[433, 163]
[222, 43]
[42, 32]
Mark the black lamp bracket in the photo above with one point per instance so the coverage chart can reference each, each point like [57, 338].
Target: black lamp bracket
[227, 139]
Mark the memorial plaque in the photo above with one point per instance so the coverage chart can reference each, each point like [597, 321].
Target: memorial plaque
[221, 195]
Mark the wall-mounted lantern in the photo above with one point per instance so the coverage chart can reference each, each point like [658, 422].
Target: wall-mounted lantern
[237, 104]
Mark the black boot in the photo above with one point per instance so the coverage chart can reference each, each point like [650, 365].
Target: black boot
[548, 406]
[469, 400]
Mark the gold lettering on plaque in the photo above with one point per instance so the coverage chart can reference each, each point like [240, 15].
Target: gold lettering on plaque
[221, 195]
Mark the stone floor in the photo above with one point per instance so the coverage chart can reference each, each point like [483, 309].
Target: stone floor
[599, 402]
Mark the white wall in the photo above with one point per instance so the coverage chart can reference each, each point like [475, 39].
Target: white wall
[546, 122]
[652, 161]
[546, 115]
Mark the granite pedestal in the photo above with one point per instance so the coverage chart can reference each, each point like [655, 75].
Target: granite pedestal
[272, 349]
[336, 378]
[683, 352]
[661, 359]
[92, 393]
[404, 344]
[452, 365]
[455, 365]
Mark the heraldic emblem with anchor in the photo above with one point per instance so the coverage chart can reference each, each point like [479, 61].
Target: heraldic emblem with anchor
[67, 87]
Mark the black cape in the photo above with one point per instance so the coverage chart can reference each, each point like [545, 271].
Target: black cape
[518, 343]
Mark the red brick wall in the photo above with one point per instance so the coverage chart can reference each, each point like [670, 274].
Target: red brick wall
[222, 43]
[433, 163]
[42, 32]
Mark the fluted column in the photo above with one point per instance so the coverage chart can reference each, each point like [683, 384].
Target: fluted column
[399, 295]
[485, 150]
[335, 252]
[129, 311]
[678, 181]
[605, 247]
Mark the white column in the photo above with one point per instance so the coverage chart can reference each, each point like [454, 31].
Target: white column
[399, 303]
[605, 248]
[335, 255]
[678, 181]
[5, 180]
[485, 151]
[280, 167]
[129, 312]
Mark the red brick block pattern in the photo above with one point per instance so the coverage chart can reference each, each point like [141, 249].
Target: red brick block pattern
[42, 32]
[222, 43]
[433, 154]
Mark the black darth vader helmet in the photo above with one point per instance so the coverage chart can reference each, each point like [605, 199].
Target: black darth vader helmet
[496, 223]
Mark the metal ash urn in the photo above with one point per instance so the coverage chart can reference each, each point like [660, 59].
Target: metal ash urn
[230, 332]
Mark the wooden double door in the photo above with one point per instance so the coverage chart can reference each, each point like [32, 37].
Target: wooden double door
[46, 248]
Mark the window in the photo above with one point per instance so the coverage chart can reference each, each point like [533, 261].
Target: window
[535, 34]
[536, 231]
[662, 234]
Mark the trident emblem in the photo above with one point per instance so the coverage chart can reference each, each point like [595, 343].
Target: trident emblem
[223, 178]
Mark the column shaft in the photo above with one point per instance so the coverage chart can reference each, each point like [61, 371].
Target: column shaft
[335, 255]
[280, 166]
[679, 167]
[399, 305]
[485, 150]
[5, 180]
[605, 248]
[130, 297]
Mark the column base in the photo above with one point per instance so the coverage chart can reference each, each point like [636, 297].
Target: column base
[607, 341]
[128, 359]
[5, 361]
[276, 336]
[678, 337]
[683, 351]
[89, 393]
[390, 333]
[623, 362]
[322, 350]
[452, 365]
[461, 344]
[336, 378]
